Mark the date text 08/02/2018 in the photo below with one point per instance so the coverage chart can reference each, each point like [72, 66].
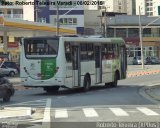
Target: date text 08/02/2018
[60, 3]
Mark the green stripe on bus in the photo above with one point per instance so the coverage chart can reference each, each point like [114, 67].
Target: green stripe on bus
[48, 68]
[117, 40]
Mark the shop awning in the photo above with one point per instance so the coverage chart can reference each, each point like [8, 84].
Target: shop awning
[15, 26]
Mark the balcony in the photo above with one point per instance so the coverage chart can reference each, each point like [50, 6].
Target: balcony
[12, 16]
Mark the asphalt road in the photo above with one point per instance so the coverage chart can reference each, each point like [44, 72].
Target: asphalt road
[121, 104]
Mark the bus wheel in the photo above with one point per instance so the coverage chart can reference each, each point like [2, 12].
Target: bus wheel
[86, 83]
[114, 84]
[51, 89]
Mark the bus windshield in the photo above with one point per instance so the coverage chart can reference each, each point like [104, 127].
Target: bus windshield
[39, 48]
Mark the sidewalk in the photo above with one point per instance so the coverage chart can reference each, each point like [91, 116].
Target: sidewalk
[153, 92]
[15, 112]
[136, 70]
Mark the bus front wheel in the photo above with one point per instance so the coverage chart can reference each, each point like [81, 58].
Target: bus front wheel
[87, 83]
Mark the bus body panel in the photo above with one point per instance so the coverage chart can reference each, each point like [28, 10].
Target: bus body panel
[53, 71]
[106, 71]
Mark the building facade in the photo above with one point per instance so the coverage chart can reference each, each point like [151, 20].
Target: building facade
[147, 7]
[69, 15]
[120, 6]
[16, 13]
[127, 27]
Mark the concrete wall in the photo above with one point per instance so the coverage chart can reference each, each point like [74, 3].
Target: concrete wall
[94, 21]
[28, 11]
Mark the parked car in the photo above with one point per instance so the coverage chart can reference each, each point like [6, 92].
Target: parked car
[7, 70]
[11, 64]
[137, 60]
[6, 89]
[152, 60]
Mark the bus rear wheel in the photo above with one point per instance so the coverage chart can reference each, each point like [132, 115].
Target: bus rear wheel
[86, 83]
[51, 89]
[114, 84]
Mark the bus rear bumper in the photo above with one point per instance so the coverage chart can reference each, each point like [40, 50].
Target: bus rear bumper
[29, 82]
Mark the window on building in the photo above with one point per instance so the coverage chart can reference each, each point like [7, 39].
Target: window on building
[42, 20]
[1, 12]
[17, 11]
[121, 32]
[133, 32]
[68, 21]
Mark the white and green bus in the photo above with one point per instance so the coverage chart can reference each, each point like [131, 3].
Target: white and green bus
[72, 62]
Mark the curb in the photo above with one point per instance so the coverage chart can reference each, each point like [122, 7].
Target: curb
[150, 92]
[140, 73]
[147, 92]
[27, 116]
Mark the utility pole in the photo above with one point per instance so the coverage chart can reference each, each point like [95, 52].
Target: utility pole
[57, 21]
[36, 13]
[141, 39]
[105, 23]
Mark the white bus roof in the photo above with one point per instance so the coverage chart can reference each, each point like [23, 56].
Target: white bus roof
[83, 39]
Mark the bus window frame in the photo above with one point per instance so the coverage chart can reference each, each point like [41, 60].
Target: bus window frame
[39, 56]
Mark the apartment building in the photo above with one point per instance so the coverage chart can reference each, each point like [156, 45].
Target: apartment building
[120, 6]
[147, 7]
[69, 15]
[11, 11]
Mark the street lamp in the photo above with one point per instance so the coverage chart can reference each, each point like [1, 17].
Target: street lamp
[104, 21]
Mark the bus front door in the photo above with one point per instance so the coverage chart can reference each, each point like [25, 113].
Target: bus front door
[123, 55]
[76, 66]
[98, 64]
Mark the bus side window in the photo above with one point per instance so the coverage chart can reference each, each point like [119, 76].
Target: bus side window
[68, 51]
[115, 51]
[84, 53]
[111, 53]
[90, 50]
[104, 51]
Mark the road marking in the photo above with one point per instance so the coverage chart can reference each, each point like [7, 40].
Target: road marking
[147, 111]
[61, 113]
[35, 102]
[47, 115]
[90, 112]
[119, 112]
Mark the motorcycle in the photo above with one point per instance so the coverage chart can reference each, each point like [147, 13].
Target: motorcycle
[6, 89]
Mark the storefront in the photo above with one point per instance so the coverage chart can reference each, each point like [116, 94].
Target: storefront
[151, 47]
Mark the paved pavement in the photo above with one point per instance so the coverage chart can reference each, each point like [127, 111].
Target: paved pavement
[153, 91]
[133, 71]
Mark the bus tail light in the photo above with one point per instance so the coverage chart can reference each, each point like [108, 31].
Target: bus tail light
[25, 69]
[57, 68]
